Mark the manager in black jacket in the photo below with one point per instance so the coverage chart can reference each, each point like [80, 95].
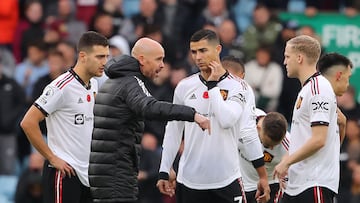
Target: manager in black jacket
[121, 105]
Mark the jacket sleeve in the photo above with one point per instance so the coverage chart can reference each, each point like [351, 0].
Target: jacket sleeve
[172, 141]
[144, 105]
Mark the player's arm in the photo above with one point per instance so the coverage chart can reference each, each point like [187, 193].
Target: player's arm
[30, 125]
[227, 112]
[253, 152]
[342, 124]
[311, 146]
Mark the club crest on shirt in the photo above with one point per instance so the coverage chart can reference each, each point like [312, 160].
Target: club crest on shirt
[224, 93]
[268, 157]
[79, 119]
[298, 102]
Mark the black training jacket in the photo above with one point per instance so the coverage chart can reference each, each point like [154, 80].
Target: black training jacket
[121, 105]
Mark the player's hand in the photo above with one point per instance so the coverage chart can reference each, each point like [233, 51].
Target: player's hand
[282, 183]
[202, 121]
[262, 194]
[281, 169]
[216, 71]
[166, 187]
[61, 165]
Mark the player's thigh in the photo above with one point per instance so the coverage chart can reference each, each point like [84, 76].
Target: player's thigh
[311, 195]
[316, 194]
[250, 197]
[188, 195]
[60, 189]
[232, 193]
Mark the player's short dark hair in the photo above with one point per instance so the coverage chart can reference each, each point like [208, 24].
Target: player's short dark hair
[274, 126]
[228, 61]
[327, 61]
[204, 34]
[90, 39]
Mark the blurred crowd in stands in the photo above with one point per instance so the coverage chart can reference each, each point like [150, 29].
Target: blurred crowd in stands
[37, 44]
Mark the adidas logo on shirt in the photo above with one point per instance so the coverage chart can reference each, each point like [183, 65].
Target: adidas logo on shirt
[193, 96]
[80, 101]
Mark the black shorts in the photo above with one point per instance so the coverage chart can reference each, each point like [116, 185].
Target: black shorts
[311, 195]
[59, 189]
[275, 194]
[232, 193]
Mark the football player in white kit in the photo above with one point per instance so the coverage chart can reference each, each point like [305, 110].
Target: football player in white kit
[313, 161]
[67, 105]
[209, 168]
[272, 130]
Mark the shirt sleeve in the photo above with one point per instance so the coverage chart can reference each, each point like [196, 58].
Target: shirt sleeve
[226, 111]
[50, 100]
[320, 110]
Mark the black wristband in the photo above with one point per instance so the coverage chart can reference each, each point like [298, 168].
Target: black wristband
[163, 176]
[211, 84]
[258, 162]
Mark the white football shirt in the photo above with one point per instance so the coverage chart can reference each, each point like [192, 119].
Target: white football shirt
[208, 161]
[68, 105]
[271, 158]
[315, 105]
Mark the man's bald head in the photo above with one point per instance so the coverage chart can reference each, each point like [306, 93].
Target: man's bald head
[144, 46]
[150, 55]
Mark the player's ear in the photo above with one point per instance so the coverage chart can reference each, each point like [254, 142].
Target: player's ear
[218, 48]
[338, 75]
[82, 56]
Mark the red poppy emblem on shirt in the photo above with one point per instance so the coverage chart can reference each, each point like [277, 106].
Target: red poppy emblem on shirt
[88, 98]
[206, 95]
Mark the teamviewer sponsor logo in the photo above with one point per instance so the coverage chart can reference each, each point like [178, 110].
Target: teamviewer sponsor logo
[79, 119]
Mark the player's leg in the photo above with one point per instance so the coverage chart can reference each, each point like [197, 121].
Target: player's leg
[319, 195]
[250, 197]
[48, 181]
[188, 195]
[232, 193]
[274, 192]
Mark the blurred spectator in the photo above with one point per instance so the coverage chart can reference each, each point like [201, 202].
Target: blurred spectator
[348, 158]
[229, 40]
[68, 50]
[34, 67]
[64, 22]
[265, 77]
[348, 104]
[12, 104]
[290, 86]
[215, 12]
[9, 16]
[148, 170]
[133, 28]
[103, 24]
[264, 30]
[118, 46]
[275, 5]
[86, 10]
[313, 7]
[355, 186]
[29, 188]
[7, 61]
[115, 9]
[29, 29]
[243, 13]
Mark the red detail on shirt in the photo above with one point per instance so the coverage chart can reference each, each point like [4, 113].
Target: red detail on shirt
[88, 98]
[206, 95]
